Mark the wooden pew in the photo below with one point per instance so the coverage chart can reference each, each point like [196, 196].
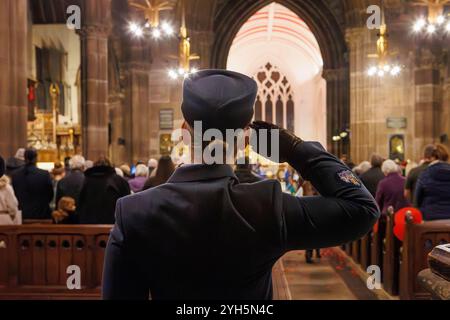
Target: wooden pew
[365, 251]
[418, 242]
[356, 253]
[391, 256]
[376, 245]
[34, 260]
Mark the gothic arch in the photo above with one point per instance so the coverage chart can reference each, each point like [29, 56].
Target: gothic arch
[230, 17]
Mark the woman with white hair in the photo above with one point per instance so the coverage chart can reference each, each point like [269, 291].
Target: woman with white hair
[141, 175]
[390, 189]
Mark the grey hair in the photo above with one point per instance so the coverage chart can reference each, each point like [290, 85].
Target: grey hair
[141, 170]
[389, 166]
[77, 162]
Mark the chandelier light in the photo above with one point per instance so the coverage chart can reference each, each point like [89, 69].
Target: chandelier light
[151, 25]
[383, 67]
[184, 56]
[436, 21]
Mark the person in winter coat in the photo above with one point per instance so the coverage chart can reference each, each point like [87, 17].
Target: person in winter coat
[390, 189]
[374, 175]
[138, 182]
[33, 188]
[164, 170]
[9, 206]
[15, 163]
[71, 184]
[433, 187]
[101, 189]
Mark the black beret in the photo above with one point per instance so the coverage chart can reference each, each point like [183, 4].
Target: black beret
[2, 167]
[221, 99]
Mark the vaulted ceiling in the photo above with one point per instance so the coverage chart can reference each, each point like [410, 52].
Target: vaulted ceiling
[51, 11]
[278, 35]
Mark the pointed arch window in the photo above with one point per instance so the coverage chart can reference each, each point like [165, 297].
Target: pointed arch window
[274, 102]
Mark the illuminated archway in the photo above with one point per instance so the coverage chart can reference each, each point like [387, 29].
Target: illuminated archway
[325, 26]
[277, 49]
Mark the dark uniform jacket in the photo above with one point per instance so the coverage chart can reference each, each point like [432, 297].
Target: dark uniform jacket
[203, 235]
[34, 191]
[246, 175]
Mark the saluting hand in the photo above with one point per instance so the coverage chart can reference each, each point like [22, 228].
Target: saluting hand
[287, 140]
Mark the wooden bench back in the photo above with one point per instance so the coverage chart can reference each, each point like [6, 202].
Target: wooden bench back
[391, 259]
[34, 259]
[418, 242]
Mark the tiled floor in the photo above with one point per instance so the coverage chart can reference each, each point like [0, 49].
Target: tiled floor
[318, 281]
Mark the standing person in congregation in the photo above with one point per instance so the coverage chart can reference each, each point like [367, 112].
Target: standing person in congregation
[152, 165]
[164, 170]
[33, 188]
[140, 177]
[9, 206]
[57, 174]
[204, 235]
[390, 189]
[374, 175]
[16, 162]
[414, 174]
[71, 184]
[433, 186]
[101, 189]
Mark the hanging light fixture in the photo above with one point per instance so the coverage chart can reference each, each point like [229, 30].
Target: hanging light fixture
[383, 67]
[436, 21]
[184, 57]
[151, 25]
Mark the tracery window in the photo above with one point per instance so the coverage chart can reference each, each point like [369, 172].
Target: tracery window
[274, 102]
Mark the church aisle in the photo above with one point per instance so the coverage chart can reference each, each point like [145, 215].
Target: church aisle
[317, 281]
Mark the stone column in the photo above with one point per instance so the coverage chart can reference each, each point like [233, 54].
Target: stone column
[338, 117]
[94, 54]
[137, 117]
[118, 142]
[428, 98]
[364, 96]
[13, 75]
[445, 116]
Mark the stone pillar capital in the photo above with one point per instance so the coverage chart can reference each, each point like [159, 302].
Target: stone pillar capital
[100, 30]
[334, 74]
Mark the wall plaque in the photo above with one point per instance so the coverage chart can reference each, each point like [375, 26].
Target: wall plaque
[166, 119]
[396, 122]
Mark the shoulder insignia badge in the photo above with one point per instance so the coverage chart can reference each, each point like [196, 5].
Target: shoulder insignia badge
[349, 177]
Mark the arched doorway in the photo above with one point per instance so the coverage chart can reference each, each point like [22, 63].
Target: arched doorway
[316, 14]
[277, 49]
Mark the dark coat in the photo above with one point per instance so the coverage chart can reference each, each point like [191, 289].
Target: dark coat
[101, 189]
[390, 192]
[203, 235]
[34, 191]
[433, 192]
[371, 178]
[12, 165]
[70, 186]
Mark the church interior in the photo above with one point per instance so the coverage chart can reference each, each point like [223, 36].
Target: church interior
[103, 78]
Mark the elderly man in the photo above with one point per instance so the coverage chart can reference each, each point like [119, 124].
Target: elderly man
[204, 235]
[71, 184]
